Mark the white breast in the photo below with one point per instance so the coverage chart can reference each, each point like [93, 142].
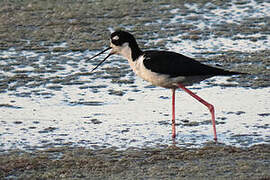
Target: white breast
[153, 77]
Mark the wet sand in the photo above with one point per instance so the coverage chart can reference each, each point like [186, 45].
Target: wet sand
[54, 29]
[209, 162]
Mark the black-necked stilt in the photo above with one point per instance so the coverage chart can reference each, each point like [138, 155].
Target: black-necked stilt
[164, 68]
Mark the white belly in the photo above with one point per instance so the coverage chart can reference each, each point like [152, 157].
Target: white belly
[152, 77]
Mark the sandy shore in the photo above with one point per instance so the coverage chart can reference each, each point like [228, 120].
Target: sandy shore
[209, 162]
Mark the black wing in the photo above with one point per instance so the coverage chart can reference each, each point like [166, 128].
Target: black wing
[174, 64]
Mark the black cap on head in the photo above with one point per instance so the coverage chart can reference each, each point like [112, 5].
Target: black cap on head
[120, 37]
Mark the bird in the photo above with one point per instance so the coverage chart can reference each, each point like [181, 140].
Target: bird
[166, 69]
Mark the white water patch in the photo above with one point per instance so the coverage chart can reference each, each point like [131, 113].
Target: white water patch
[209, 17]
[231, 13]
[89, 115]
[135, 119]
[217, 44]
[238, 12]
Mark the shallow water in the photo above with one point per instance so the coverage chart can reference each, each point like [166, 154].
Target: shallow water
[48, 98]
[93, 110]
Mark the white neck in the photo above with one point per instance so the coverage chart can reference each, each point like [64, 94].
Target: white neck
[125, 51]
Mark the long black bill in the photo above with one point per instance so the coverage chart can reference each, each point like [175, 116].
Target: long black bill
[102, 60]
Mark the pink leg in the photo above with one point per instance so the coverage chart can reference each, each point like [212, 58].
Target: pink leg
[173, 113]
[209, 106]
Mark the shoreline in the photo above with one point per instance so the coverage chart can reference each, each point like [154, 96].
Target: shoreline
[209, 162]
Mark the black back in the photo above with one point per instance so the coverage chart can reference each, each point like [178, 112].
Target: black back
[174, 64]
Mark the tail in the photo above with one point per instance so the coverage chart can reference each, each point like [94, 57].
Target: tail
[215, 71]
[229, 73]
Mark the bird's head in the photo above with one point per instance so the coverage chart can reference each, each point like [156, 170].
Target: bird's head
[121, 43]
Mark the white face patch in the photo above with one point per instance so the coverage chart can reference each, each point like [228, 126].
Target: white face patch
[115, 38]
[123, 50]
